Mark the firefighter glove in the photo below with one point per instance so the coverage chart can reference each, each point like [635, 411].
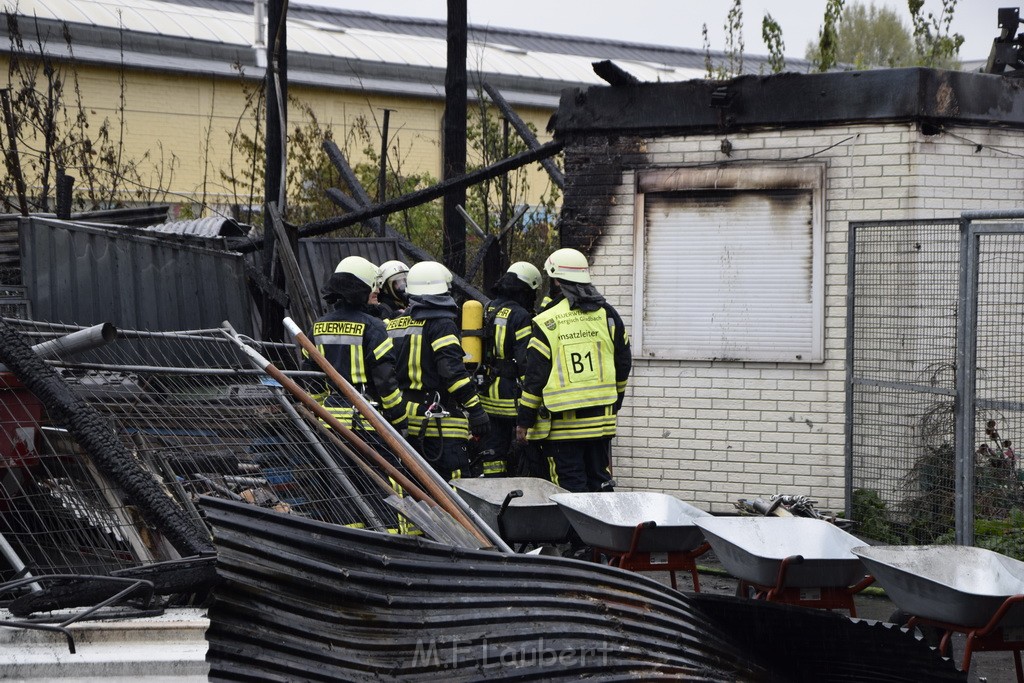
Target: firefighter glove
[479, 423]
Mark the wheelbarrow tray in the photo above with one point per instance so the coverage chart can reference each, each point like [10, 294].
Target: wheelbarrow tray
[532, 518]
[608, 520]
[957, 585]
[752, 549]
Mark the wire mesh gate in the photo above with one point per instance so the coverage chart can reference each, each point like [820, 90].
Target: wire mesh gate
[934, 372]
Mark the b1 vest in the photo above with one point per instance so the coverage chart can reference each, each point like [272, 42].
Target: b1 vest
[582, 358]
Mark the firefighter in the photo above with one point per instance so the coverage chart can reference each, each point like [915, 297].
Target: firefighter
[357, 345]
[578, 362]
[432, 374]
[507, 325]
[391, 296]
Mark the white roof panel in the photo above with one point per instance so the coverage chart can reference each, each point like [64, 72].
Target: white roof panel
[317, 38]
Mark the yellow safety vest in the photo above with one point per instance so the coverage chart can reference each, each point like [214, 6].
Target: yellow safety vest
[582, 358]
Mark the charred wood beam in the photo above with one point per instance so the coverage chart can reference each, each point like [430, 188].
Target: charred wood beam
[557, 177]
[453, 139]
[421, 196]
[350, 204]
[303, 305]
[265, 287]
[615, 74]
[349, 177]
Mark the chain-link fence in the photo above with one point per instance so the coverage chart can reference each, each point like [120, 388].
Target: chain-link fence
[928, 318]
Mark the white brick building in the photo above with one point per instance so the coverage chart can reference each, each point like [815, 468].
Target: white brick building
[716, 217]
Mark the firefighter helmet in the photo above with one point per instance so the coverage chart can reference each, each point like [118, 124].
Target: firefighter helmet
[527, 272]
[428, 277]
[388, 270]
[569, 265]
[362, 269]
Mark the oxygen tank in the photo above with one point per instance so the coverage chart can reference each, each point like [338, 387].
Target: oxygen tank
[473, 332]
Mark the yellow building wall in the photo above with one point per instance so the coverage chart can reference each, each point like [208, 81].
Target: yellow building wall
[179, 126]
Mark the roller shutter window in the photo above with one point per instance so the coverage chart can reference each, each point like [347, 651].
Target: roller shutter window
[732, 275]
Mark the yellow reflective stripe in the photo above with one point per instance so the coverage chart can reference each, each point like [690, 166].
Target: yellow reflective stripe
[560, 400]
[499, 340]
[538, 345]
[392, 399]
[530, 400]
[358, 365]
[523, 333]
[451, 428]
[621, 386]
[473, 402]
[552, 472]
[458, 384]
[415, 371]
[494, 467]
[447, 340]
[383, 348]
[503, 407]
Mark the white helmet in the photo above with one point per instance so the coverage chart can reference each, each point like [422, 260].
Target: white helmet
[428, 277]
[388, 270]
[569, 265]
[527, 272]
[365, 271]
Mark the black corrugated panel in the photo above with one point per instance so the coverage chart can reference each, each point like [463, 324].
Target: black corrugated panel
[87, 275]
[319, 257]
[304, 600]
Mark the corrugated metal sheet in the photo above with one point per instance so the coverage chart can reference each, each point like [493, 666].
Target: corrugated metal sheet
[319, 257]
[87, 275]
[212, 226]
[304, 600]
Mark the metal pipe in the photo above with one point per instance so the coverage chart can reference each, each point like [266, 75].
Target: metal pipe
[16, 564]
[76, 342]
[991, 215]
[434, 483]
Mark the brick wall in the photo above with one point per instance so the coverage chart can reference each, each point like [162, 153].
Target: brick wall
[714, 432]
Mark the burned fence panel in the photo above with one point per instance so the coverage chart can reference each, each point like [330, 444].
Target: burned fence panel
[208, 427]
[86, 274]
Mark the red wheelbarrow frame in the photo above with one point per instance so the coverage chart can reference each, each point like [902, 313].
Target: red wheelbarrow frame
[828, 597]
[988, 638]
[647, 561]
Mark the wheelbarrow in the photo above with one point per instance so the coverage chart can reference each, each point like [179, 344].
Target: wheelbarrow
[956, 589]
[518, 508]
[639, 531]
[793, 560]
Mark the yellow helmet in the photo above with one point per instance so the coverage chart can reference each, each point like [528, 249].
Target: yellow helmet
[527, 272]
[428, 277]
[569, 265]
[361, 268]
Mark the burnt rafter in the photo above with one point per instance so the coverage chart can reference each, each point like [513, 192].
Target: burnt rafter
[423, 196]
[793, 100]
[557, 177]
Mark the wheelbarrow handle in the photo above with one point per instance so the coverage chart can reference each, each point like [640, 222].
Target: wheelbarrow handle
[515, 493]
[783, 567]
[637, 533]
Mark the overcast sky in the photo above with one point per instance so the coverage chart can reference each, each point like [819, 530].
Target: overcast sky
[678, 22]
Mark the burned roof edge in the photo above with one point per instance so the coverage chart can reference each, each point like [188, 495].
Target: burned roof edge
[792, 100]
